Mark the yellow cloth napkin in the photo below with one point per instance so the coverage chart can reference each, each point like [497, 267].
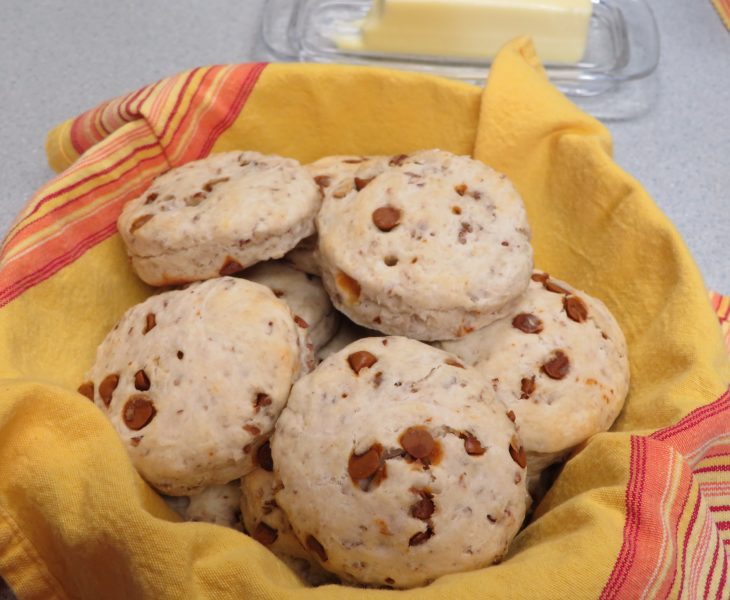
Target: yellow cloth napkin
[639, 510]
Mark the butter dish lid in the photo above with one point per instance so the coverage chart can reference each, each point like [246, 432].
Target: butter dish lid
[611, 81]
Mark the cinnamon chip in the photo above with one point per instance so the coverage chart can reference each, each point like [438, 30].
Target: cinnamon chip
[558, 366]
[208, 187]
[252, 429]
[87, 389]
[150, 323]
[460, 189]
[263, 457]
[517, 452]
[527, 322]
[261, 401]
[473, 446]
[141, 381]
[454, 363]
[386, 218]
[417, 442]
[138, 412]
[230, 266]
[362, 466]
[151, 198]
[323, 181]
[343, 190]
[301, 322]
[361, 183]
[398, 160]
[575, 308]
[361, 360]
[551, 286]
[420, 537]
[138, 222]
[264, 534]
[107, 387]
[314, 545]
[195, 199]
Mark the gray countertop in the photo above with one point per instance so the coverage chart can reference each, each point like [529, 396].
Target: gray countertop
[59, 58]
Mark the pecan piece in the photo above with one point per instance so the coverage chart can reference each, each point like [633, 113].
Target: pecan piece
[527, 386]
[230, 266]
[421, 537]
[314, 545]
[263, 457]
[517, 452]
[138, 222]
[264, 534]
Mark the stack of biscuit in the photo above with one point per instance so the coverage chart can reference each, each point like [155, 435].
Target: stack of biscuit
[357, 364]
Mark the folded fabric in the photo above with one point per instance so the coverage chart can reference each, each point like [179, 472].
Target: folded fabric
[721, 305]
[723, 9]
[641, 511]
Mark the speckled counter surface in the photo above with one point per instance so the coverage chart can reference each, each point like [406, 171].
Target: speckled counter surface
[58, 59]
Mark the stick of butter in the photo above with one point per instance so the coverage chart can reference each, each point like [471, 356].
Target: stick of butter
[473, 28]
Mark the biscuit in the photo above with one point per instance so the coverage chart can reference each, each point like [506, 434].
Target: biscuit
[177, 503]
[217, 216]
[304, 256]
[263, 519]
[347, 332]
[559, 361]
[397, 465]
[305, 296]
[433, 247]
[336, 175]
[193, 380]
[218, 504]
[268, 524]
[330, 173]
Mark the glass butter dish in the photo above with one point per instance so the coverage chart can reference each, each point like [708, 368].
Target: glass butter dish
[611, 81]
